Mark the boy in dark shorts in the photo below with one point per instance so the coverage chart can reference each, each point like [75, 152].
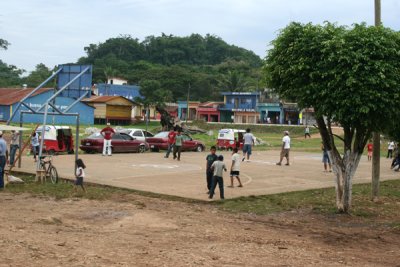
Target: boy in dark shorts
[235, 167]
[218, 167]
[210, 160]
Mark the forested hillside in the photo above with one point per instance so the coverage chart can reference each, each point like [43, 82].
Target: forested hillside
[208, 64]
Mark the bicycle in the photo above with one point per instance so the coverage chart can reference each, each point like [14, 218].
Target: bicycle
[51, 171]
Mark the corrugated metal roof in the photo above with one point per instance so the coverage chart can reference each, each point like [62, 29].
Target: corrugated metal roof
[102, 99]
[9, 96]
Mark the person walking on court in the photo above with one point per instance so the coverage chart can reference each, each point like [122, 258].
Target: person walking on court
[171, 142]
[235, 167]
[210, 159]
[370, 148]
[178, 145]
[218, 167]
[307, 132]
[325, 159]
[35, 145]
[391, 145]
[107, 133]
[3, 158]
[248, 138]
[14, 145]
[285, 148]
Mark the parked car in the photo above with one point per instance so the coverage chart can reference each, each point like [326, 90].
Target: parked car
[160, 142]
[138, 134]
[121, 142]
[57, 139]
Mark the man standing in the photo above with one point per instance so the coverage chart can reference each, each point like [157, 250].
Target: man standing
[178, 145]
[285, 148]
[13, 145]
[307, 132]
[171, 142]
[3, 158]
[107, 133]
[248, 143]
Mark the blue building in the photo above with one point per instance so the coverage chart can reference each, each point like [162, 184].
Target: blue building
[9, 99]
[240, 107]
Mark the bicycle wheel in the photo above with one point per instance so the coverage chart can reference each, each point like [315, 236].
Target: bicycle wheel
[53, 174]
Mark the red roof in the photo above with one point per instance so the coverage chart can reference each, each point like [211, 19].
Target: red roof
[9, 96]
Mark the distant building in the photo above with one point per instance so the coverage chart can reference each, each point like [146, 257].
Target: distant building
[116, 110]
[240, 107]
[9, 99]
[209, 111]
[117, 81]
[183, 114]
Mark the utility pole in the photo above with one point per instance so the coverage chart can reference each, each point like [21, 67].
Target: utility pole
[376, 153]
[187, 104]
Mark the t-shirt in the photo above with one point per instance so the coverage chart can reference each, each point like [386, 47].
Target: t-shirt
[248, 138]
[286, 141]
[391, 146]
[107, 133]
[3, 147]
[35, 140]
[14, 139]
[307, 130]
[78, 171]
[219, 167]
[236, 162]
[370, 147]
[210, 160]
[178, 140]
[171, 137]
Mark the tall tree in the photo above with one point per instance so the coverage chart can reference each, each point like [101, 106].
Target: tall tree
[350, 75]
[37, 76]
[9, 75]
[4, 44]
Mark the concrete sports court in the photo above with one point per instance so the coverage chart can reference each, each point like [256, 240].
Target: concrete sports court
[186, 178]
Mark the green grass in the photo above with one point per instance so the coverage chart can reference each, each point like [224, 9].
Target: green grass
[321, 201]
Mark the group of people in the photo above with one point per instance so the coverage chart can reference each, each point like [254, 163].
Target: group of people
[175, 142]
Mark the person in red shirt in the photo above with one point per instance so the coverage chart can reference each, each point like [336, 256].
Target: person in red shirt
[107, 133]
[171, 142]
[370, 147]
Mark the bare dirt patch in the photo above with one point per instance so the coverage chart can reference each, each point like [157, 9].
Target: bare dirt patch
[142, 231]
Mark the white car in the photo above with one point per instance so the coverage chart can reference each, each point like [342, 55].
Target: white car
[137, 134]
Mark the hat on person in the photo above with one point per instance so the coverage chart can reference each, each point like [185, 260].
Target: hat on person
[108, 124]
[286, 132]
[1, 133]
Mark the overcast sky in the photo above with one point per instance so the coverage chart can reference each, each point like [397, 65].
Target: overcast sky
[55, 32]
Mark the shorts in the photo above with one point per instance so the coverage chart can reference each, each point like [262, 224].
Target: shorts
[369, 153]
[285, 153]
[325, 158]
[79, 181]
[247, 149]
[235, 173]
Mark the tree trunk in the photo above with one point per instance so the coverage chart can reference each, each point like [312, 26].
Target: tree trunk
[344, 170]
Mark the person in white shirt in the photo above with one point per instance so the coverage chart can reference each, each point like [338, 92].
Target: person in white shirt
[218, 167]
[285, 148]
[235, 167]
[248, 143]
[79, 174]
[390, 149]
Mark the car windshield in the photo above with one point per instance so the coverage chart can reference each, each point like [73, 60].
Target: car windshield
[95, 136]
[162, 135]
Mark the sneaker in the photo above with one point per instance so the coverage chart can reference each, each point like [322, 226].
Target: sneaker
[287, 164]
[279, 164]
[240, 185]
[242, 159]
[231, 186]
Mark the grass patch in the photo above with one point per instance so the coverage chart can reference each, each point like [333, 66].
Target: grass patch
[322, 201]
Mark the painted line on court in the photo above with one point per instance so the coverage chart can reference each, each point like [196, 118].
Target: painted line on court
[248, 177]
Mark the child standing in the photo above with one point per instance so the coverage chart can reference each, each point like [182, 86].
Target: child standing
[80, 174]
[235, 167]
[178, 145]
[210, 160]
[370, 147]
[218, 167]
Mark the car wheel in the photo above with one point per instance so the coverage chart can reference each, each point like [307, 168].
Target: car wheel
[51, 152]
[155, 149]
[142, 149]
[199, 148]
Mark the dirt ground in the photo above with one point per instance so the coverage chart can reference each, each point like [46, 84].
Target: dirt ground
[141, 231]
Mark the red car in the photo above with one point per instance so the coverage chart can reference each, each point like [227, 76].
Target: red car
[160, 142]
[121, 142]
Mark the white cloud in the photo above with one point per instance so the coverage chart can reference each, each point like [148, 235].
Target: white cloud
[55, 32]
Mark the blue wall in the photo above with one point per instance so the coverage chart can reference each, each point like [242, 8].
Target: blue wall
[86, 112]
[128, 91]
[240, 101]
